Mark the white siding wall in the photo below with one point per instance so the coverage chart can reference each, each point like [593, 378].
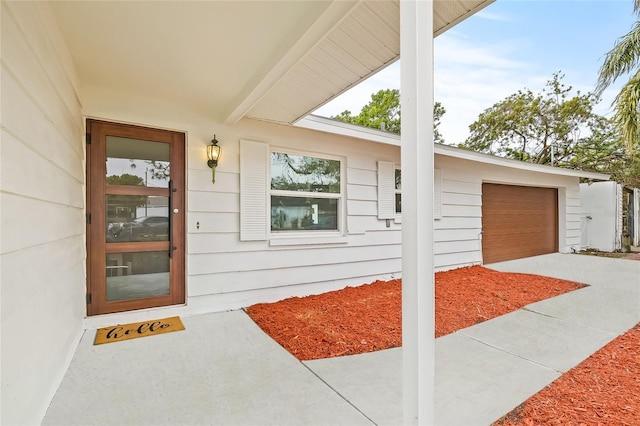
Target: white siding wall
[41, 196]
[221, 266]
[457, 234]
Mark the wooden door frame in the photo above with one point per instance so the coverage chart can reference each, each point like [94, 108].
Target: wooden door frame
[96, 217]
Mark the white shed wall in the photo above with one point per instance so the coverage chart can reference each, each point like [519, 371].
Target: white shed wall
[42, 197]
[602, 210]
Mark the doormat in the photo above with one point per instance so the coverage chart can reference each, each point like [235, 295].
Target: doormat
[117, 333]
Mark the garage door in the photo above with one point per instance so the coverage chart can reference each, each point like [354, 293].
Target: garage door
[518, 221]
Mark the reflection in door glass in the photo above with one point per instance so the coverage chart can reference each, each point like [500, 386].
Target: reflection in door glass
[137, 275]
[137, 162]
[137, 218]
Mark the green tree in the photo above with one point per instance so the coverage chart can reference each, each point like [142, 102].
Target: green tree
[531, 126]
[438, 112]
[553, 125]
[384, 107]
[624, 59]
[125, 179]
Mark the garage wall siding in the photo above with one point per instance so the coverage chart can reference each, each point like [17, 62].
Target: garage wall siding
[458, 234]
[42, 202]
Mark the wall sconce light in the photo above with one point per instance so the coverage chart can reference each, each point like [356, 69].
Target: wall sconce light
[213, 155]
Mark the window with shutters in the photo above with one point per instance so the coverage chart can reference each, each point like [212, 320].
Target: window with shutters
[305, 193]
[390, 192]
[290, 197]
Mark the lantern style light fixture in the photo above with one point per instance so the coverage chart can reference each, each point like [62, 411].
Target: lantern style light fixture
[213, 155]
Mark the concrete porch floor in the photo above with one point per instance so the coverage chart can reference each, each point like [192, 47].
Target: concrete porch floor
[223, 370]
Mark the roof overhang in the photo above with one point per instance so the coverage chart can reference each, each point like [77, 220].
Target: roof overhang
[373, 135]
[364, 41]
[269, 60]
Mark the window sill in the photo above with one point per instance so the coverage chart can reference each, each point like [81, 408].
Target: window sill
[307, 240]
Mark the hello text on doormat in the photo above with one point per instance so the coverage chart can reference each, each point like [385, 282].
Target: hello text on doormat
[121, 332]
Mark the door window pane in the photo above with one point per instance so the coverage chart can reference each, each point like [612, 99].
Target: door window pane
[137, 162]
[137, 275]
[137, 218]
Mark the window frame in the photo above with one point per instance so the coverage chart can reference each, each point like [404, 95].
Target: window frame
[307, 236]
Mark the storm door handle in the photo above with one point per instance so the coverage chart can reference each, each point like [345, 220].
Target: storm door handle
[171, 191]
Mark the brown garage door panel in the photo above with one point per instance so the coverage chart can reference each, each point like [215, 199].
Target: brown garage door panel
[518, 221]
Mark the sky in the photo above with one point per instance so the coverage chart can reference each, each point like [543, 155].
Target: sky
[510, 45]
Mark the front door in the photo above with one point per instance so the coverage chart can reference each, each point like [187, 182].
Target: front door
[135, 217]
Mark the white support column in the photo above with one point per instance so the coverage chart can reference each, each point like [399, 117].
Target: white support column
[418, 296]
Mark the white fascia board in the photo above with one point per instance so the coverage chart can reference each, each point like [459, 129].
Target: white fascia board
[462, 17]
[328, 125]
[452, 151]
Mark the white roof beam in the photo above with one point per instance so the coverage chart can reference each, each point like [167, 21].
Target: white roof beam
[332, 16]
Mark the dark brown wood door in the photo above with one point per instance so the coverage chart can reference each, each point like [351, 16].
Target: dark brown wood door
[135, 217]
[518, 221]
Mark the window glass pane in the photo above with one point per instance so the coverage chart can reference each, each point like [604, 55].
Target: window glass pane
[300, 213]
[398, 203]
[398, 179]
[299, 173]
[137, 218]
[137, 162]
[137, 275]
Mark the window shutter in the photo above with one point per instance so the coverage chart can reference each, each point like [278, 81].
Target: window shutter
[254, 157]
[437, 194]
[386, 190]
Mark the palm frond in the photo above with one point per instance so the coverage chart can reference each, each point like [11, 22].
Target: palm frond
[627, 113]
[622, 59]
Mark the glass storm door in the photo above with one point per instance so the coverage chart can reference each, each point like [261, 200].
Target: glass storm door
[135, 217]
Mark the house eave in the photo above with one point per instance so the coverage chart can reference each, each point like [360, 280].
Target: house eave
[328, 125]
[479, 157]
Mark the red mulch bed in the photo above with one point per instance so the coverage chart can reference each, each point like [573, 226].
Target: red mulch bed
[369, 317]
[603, 390]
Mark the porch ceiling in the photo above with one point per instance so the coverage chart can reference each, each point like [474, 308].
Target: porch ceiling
[269, 60]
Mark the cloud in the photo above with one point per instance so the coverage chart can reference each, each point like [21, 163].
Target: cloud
[471, 75]
[492, 16]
